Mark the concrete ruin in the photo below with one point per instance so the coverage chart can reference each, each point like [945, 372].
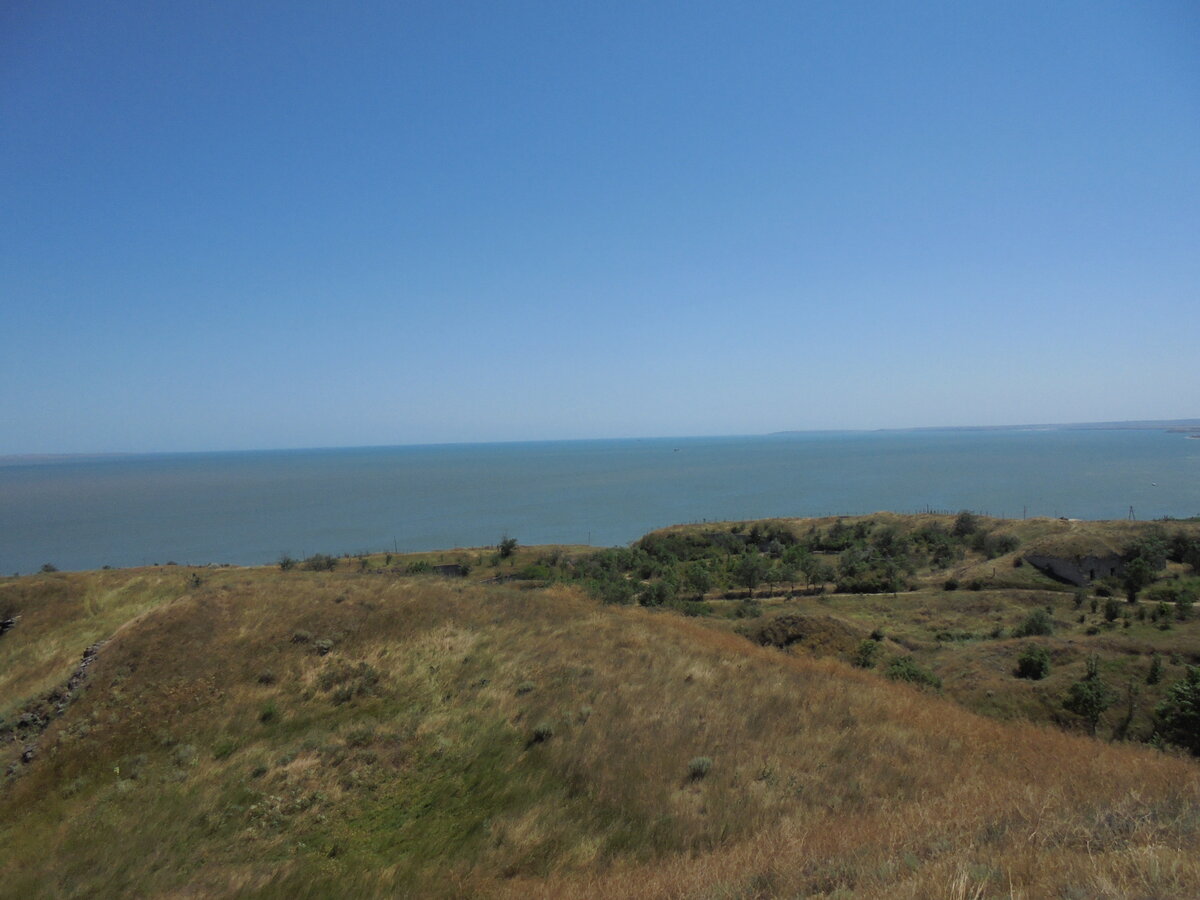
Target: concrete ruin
[1077, 570]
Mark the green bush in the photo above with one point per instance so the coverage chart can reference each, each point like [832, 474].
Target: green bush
[698, 767]
[966, 523]
[1033, 663]
[321, 562]
[1037, 624]
[904, 668]
[999, 544]
[864, 656]
[1112, 609]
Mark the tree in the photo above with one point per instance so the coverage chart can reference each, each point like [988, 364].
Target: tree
[1179, 713]
[700, 578]
[508, 546]
[1090, 697]
[1143, 558]
[750, 570]
[816, 570]
[1138, 573]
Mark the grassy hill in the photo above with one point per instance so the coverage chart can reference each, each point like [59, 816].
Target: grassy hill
[366, 732]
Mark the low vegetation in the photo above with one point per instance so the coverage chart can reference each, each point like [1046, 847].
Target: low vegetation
[704, 713]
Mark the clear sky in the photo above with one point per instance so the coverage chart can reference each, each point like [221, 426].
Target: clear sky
[233, 225]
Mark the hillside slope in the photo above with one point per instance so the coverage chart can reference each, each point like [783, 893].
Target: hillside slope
[328, 734]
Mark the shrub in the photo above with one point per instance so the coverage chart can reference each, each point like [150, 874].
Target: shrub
[698, 767]
[975, 585]
[507, 546]
[286, 563]
[999, 544]
[268, 714]
[966, 523]
[542, 733]
[1156, 670]
[747, 609]
[47, 568]
[950, 584]
[695, 608]
[1179, 714]
[904, 668]
[223, 749]
[864, 656]
[1184, 606]
[321, 562]
[1112, 609]
[1033, 663]
[1036, 624]
[525, 687]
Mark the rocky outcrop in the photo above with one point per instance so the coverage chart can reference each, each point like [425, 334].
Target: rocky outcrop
[37, 716]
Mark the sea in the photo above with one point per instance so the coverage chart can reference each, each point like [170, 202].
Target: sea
[251, 508]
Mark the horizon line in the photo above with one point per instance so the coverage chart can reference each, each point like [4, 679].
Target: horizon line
[1115, 425]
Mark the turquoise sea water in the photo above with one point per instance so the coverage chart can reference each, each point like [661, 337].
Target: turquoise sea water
[251, 507]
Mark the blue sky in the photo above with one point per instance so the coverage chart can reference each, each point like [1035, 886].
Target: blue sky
[248, 225]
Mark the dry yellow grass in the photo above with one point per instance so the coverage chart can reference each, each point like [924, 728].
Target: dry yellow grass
[405, 761]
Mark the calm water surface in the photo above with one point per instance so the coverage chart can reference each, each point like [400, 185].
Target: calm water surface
[249, 508]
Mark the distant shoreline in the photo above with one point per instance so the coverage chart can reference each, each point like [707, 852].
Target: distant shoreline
[1174, 426]
[1189, 427]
